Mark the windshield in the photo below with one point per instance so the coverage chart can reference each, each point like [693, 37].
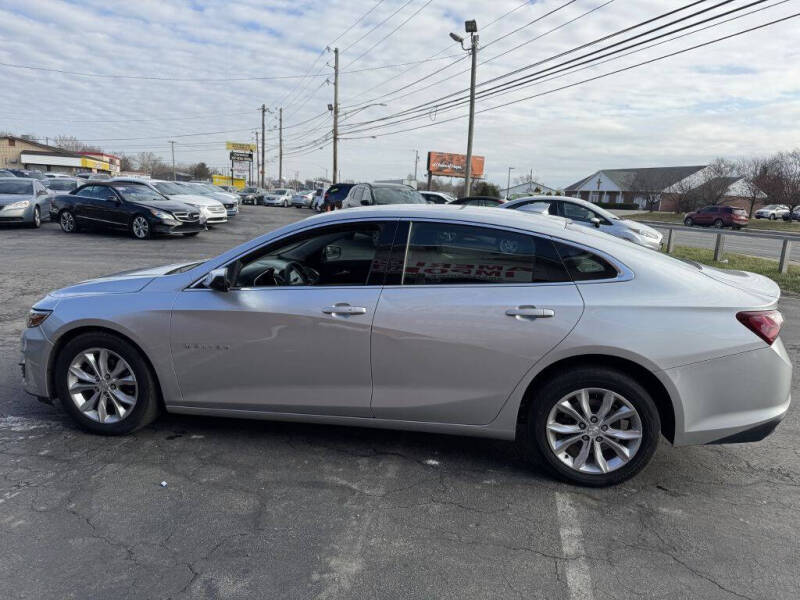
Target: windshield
[16, 187]
[397, 195]
[62, 184]
[199, 188]
[166, 187]
[281, 192]
[136, 192]
[771, 207]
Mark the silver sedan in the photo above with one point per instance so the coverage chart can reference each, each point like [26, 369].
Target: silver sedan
[23, 200]
[459, 320]
[589, 215]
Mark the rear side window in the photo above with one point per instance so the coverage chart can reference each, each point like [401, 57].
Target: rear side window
[445, 253]
[583, 265]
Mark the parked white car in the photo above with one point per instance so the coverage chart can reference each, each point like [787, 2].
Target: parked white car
[590, 215]
[212, 212]
[279, 197]
[772, 212]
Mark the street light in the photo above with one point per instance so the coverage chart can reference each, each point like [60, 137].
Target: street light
[508, 181]
[471, 27]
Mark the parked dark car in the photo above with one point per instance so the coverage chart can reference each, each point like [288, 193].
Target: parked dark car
[478, 201]
[132, 207]
[717, 216]
[371, 194]
[251, 195]
[793, 216]
[30, 174]
[335, 195]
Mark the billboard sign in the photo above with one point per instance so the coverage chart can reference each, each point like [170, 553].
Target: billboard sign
[240, 146]
[241, 156]
[447, 164]
[226, 180]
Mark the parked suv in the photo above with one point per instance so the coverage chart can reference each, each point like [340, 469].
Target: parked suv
[335, 195]
[717, 216]
[368, 194]
[793, 215]
[772, 212]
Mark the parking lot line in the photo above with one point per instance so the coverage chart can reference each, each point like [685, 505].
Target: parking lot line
[579, 580]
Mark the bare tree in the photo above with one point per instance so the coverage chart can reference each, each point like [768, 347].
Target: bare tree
[754, 172]
[148, 162]
[715, 180]
[648, 185]
[72, 144]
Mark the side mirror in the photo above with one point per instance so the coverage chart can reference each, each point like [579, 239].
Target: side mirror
[217, 280]
[595, 221]
[365, 202]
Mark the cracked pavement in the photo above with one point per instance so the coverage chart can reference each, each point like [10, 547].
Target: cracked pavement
[280, 510]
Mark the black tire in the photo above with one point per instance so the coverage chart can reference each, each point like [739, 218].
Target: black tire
[719, 224]
[37, 218]
[67, 221]
[688, 221]
[140, 228]
[592, 377]
[772, 217]
[148, 405]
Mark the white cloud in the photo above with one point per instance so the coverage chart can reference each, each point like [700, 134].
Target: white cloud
[738, 97]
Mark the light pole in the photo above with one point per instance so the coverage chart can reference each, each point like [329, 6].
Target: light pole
[471, 27]
[508, 181]
[173, 159]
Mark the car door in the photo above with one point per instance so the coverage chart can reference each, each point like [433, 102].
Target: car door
[583, 215]
[286, 339]
[466, 312]
[87, 206]
[111, 208]
[705, 216]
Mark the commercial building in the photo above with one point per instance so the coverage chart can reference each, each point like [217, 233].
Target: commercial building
[22, 153]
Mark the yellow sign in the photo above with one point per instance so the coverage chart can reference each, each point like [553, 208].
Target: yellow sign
[226, 180]
[241, 147]
[90, 163]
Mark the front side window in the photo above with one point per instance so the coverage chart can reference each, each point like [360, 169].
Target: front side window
[576, 212]
[330, 256]
[445, 253]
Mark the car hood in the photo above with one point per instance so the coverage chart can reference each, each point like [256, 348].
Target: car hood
[126, 282]
[194, 199]
[6, 199]
[169, 206]
[636, 226]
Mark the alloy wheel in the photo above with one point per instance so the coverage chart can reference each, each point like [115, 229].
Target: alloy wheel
[37, 217]
[67, 222]
[594, 431]
[102, 385]
[141, 228]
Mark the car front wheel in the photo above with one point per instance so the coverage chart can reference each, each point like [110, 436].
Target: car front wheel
[772, 217]
[140, 228]
[105, 385]
[37, 218]
[594, 426]
[67, 221]
[688, 221]
[719, 224]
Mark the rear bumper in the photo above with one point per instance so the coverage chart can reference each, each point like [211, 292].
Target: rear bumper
[733, 398]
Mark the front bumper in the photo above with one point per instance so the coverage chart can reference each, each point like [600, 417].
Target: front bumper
[17, 215]
[232, 209]
[35, 354]
[167, 229]
[722, 399]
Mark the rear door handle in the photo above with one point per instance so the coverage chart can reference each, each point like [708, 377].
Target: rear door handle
[530, 312]
[343, 308]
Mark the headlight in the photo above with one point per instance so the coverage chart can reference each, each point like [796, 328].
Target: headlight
[160, 214]
[20, 204]
[37, 316]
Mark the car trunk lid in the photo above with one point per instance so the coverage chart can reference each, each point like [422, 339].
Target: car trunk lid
[752, 283]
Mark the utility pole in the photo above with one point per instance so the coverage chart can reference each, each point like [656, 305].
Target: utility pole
[508, 181]
[280, 146]
[173, 159]
[468, 173]
[258, 164]
[335, 112]
[263, 137]
[416, 163]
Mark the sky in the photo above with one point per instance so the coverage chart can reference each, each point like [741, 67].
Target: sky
[212, 64]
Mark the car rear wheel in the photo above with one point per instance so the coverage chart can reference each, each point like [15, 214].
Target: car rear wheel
[594, 426]
[105, 384]
[67, 221]
[688, 221]
[719, 224]
[140, 228]
[772, 217]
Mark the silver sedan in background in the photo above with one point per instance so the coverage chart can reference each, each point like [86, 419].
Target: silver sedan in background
[23, 200]
[590, 215]
[469, 321]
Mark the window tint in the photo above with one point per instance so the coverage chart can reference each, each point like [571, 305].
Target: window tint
[340, 255]
[576, 212]
[104, 193]
[584, 265]
[444, 253]
[538, 206]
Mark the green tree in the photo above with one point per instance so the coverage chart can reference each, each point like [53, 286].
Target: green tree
[484, 188]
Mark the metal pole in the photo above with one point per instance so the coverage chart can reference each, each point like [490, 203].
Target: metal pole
[173, 159]
[468, 169]
[786, 253]
[280, 146]
[719, 247]
[263, 137]
[508, 181]
[671, 241]
[335, 112]
[416, 163]
[258, 162]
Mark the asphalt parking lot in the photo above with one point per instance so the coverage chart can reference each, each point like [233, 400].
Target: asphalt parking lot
[278, 510]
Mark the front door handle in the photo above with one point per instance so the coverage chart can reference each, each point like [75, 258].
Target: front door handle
[530, 312]
[343, 308]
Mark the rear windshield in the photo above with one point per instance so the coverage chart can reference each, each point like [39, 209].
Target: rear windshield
[62, 185]
[337, 192]
[16, 187]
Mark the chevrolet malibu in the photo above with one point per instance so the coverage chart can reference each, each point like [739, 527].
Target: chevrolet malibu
[459, 320]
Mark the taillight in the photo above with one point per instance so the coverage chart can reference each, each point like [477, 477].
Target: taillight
[766, 324]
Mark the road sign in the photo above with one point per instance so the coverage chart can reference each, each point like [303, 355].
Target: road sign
[241, 147]
[241, 156]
